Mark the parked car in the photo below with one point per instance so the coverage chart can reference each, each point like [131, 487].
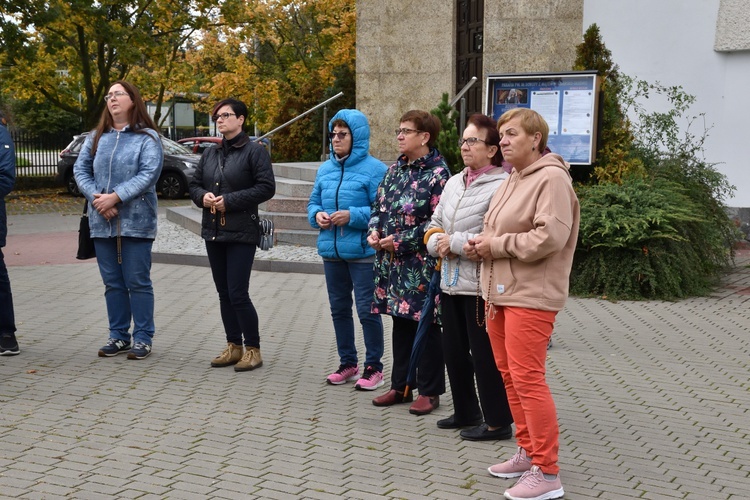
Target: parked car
[179, 167]
[200, 144]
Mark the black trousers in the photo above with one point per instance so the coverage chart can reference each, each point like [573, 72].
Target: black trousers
[467, 351]
[430, 371]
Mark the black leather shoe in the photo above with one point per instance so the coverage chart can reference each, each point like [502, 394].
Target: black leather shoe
[483, 433]
[451, 423]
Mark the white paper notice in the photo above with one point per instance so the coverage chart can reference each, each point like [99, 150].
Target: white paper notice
[547, 104]
[577, 113]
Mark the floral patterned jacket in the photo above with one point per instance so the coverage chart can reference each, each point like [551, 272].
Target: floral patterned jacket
[405, 201]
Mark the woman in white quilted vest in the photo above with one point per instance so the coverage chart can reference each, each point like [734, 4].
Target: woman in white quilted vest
[466, 345]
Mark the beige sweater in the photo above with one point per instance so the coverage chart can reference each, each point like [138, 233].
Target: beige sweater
[533, 222]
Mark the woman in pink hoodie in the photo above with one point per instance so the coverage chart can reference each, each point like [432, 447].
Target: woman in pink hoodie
[526, 249]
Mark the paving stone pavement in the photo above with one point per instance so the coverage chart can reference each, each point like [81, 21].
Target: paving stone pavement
[653, 401]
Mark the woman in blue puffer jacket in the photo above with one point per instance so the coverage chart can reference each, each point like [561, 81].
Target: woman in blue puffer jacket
[116, 171]
[345, 187]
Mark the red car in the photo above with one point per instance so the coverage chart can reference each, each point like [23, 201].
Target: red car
[200, 144]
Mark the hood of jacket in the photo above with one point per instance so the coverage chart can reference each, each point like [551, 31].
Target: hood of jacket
[360, 128]
[547, 160]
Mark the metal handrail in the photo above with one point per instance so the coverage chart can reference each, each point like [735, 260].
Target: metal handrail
[299, 116]
[463, 91]
[462, 107]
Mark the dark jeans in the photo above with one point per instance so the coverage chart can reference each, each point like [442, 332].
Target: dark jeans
[7, 318]
[231, 264]
[467, 351]
[430, 370]
[343, 278]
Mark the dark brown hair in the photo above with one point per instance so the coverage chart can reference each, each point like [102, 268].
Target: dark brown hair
[484, 122]
[425, 122]
[139, 119]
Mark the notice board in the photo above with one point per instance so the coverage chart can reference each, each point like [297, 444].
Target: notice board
[569, 102]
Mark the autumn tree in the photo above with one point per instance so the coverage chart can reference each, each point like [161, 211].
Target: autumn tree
[68, 53]
[282, 57]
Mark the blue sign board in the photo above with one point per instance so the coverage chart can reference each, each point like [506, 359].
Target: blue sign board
[567, 101]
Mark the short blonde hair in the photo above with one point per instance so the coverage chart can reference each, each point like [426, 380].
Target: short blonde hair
[531, 122]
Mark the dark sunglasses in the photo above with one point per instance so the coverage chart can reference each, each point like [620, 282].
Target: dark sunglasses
[340, 135]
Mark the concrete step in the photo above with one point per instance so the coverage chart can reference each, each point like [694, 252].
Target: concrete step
[303, 171]
[286, 220]
[289, 228]
[307, 238]
[294, 188]
[188, 217]
[282, 203]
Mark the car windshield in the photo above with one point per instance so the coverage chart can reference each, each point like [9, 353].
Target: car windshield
[173, 148]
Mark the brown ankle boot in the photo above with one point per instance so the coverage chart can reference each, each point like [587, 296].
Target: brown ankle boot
[230, 356]
[250, 361]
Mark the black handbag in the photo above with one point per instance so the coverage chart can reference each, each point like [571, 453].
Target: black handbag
[266, 234]
[86, 248]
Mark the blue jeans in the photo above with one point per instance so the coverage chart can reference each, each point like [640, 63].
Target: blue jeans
[341, 279]
[231, 264]
[128, 291]
[7, 318]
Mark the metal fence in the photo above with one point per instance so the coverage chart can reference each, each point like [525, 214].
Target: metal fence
[37, 154]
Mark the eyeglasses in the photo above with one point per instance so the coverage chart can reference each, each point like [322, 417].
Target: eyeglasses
[115, 95]
[223, 116]
[340, 135]
[470, 141]
[407, 131]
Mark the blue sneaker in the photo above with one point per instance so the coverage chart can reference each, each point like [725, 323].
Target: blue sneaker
[139, 351]
[113, 348]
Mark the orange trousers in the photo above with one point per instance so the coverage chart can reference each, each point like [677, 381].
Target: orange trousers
[519, 339]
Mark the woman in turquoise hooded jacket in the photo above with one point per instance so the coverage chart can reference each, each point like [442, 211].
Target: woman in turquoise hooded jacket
[339, 207]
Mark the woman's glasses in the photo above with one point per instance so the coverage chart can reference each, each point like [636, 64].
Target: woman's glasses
[407, 131]
[115, 95]
[470, 141]
[223, 116]
[340, 135]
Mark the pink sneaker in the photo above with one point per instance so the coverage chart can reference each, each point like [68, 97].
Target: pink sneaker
[515, 467]
[343, 375]
[371, 380]
[534, 486]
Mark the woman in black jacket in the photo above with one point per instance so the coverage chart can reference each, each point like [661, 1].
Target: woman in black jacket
[229, 184]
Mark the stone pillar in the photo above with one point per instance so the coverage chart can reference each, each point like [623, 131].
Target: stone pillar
[406, 52]
[523, 36]
[405, 60]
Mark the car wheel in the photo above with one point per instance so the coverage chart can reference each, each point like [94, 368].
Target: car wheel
[71, 185]
[171, 185]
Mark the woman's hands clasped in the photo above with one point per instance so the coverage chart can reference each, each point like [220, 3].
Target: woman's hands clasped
[478, 248]
[210, 200]
[378, 243]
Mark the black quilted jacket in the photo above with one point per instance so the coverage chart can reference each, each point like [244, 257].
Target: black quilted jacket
[240, 171]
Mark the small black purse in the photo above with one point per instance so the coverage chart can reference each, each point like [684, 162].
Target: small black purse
[86, 248]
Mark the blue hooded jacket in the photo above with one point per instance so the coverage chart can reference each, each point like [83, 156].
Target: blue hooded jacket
[129, 164]
[347, 185]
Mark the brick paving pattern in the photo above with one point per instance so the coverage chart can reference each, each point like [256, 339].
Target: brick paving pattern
[652, 400]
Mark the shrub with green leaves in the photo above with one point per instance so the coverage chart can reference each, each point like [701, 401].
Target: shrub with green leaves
[655, 225]
[636, 242]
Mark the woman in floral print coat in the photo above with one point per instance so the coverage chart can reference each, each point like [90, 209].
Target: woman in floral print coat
[405, 201]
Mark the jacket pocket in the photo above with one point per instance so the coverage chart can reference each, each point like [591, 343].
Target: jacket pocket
[503, 281]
